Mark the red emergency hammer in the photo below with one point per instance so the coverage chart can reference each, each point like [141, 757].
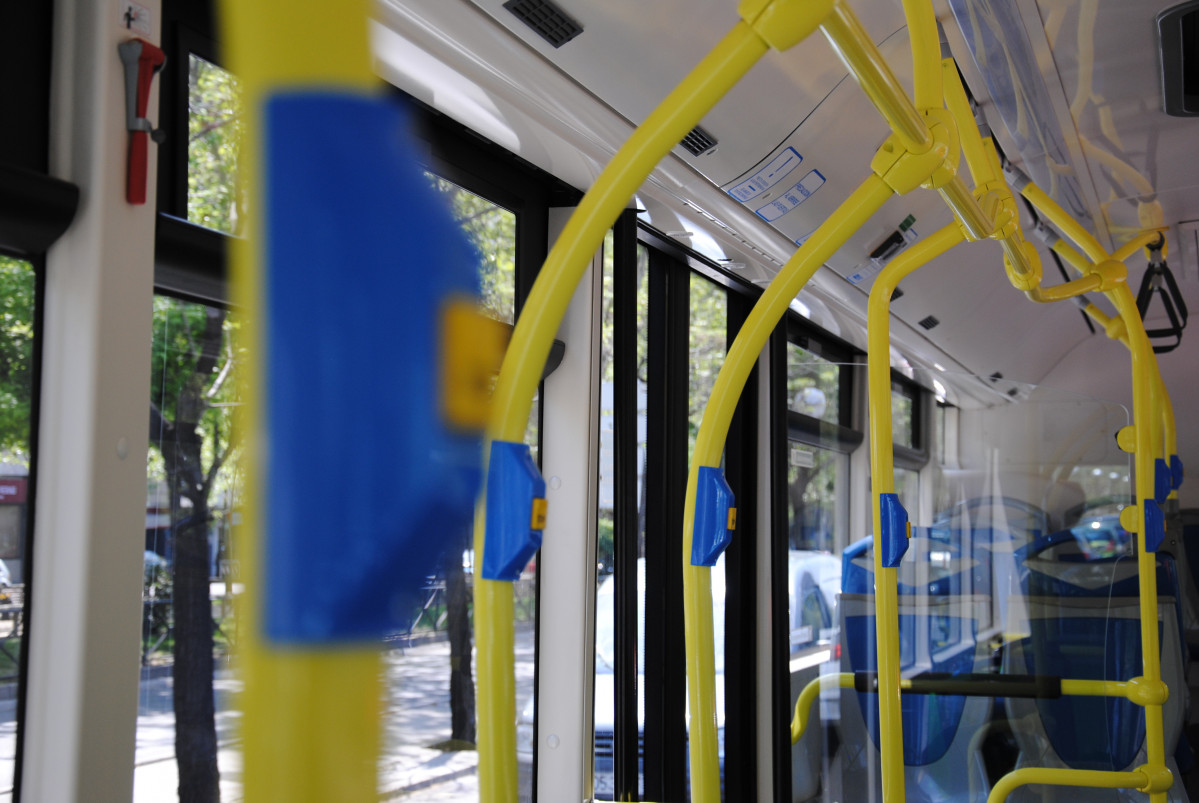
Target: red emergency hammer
[142, 62]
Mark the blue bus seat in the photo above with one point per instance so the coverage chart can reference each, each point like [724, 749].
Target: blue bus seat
[1083, 622]
[944, 603]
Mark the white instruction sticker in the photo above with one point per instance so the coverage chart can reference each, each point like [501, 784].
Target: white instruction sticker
[789, 199]
[135, 18]
[767, 177]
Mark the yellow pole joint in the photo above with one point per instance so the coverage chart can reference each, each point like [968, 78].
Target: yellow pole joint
[782, 24]
[997, 200]
[1114, 327]
[1111, 274]
[904, 170]
[1145, 692]
[1026, 277]
[1158, 778]
[1130, 518]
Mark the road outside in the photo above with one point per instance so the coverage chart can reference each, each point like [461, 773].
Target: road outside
[417, 716]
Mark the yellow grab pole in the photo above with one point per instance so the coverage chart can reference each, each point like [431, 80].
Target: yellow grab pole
[926, 53]
[311, 727]
[1064, 777]
[530, 345]
[1143, 414]
[709, 445]
[851, 42]
[886, 600]
[975, 153]
[1062, 220]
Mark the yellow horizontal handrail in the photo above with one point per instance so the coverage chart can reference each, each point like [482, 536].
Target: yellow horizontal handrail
[1065, 777]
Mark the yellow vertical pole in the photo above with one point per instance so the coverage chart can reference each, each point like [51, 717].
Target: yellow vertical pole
[1143, 415]
[882, 479]
[311, 729]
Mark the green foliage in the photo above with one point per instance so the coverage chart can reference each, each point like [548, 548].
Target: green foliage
[492, 230]
[17, 290]
[213, 147]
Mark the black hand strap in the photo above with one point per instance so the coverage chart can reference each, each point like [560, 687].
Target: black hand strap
[1158, 279]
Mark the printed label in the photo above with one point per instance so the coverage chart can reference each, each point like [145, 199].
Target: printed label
[792, 198]
[767, 177]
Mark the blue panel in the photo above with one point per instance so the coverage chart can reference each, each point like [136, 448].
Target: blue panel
[365, 487]
[1176, 471]
[513, 482]
[1163, 480]
[894, 535]
[713, 500]
[1155, 526]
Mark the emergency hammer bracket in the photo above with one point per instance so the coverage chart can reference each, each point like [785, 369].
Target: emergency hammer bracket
[142, 62]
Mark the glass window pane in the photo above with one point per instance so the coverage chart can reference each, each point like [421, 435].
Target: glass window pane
[17, 299]
[815, 492]
[605, 610]
[191, 571]
[213, 143]
[492, 230]
[813, 385]
[902, 404]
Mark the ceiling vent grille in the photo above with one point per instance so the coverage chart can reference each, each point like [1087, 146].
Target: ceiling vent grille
[550, 22]
[896, 294]
[699, 142]
[930, 322]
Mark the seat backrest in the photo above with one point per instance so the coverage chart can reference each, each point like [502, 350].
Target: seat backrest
[939, 619]
[1084, 623]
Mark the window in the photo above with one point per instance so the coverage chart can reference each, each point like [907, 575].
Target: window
[813, 385]
[903, 422]
[191, 574]
[213, 146]
[18, 293]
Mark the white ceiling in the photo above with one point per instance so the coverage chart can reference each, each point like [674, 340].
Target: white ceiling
[1070, 88]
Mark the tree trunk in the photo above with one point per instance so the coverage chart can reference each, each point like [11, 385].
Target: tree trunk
[462, 685]
[195, 722]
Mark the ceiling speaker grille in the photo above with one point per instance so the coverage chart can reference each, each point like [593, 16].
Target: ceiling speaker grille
[550, 22]
[929, 323]
[699, 142]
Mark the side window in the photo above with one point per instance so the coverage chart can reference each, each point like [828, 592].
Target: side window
[18, 292]
[213, 146]
[187, 712]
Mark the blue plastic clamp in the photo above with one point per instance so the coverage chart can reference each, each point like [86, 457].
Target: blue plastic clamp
[1163, 480]
[1155, 526]
[713, 503]
[514, 486]
[366, 485]
[893, 540]
[1176, 471]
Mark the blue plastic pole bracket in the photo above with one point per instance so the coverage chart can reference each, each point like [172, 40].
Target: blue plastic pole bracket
[1155, 526]
[515, 511]
[715, 517]
[1176, 471]
[896, 530]
[1163, 480]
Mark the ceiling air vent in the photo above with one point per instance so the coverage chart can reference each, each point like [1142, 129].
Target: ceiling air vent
[929, 323]
[550, 22]
[699, 142]
[1178, 46]
[896, 294]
